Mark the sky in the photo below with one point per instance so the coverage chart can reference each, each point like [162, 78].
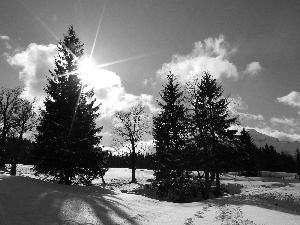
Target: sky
[251, 47]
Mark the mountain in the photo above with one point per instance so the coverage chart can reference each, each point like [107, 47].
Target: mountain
[261, 140]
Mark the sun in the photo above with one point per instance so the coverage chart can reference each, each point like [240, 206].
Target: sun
[87, 70]
[92, 75]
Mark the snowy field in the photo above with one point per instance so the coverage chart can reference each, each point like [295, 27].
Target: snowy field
[24, 199]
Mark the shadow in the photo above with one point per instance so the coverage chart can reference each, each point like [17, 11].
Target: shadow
[30, 201]
[273, 199]
[145, 191]
[269, 200]
[260, 201]
[233, 188]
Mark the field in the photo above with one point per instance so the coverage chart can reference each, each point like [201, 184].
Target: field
[26, 199]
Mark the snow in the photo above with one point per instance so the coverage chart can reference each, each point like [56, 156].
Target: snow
[24, 199]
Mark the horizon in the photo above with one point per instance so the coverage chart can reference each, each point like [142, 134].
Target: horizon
[251, 48]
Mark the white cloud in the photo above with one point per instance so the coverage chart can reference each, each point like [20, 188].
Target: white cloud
[149, 82]
[115, 98]
[36, 61]
[212, 56]
[34, 64]
[253, 68]
[282, 136]
[237, 104]
[4, 37]
[6, 41]
[249, 116]
[291, 121]
[292, 99]
[145, 82]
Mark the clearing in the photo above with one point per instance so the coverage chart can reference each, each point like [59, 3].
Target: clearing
[255, 200]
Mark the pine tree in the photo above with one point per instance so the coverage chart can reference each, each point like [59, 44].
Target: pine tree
[210, 118]
[298, 162]
[67, 139]
[169, 130]
[246, 152]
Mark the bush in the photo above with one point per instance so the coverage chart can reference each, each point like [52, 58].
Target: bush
[180, 188]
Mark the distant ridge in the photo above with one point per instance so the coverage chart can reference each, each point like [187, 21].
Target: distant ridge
[261, 140]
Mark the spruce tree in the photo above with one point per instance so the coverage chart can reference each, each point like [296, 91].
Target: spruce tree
[169, 130]
[67, 140]
[247, 154]
[298, 162]
[210, 119]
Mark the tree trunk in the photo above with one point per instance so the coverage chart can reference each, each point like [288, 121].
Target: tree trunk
[2, 147]
[13, 170]
[206, 175]
[2, 162]
[218, 184]
[207, 186]
[15, 156]
[2, 155]
[61, 177]
[133, 180]
[68, 177]
[102, 177]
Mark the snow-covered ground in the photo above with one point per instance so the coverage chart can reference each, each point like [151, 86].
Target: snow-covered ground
[26, 200]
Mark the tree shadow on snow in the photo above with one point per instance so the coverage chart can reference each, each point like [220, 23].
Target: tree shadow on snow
[30, 201]
[273, 199]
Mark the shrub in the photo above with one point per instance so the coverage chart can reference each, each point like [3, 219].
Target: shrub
[179, 188]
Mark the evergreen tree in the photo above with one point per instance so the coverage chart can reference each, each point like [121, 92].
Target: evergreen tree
[67, 139]
[210, 118]
[270, 158]
[298, 162]
[247, 152]
[169, 131]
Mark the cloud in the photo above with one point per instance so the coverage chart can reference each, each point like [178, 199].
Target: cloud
[115, 98]
[249, 116]
[212, 56]
[282, 136]
[237, 104]
[292, 99]
[291, 121]
[253, 68]
[4, 37]
[34, 63]
[6, 41]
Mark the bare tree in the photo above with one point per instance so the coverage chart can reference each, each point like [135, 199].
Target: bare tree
[9, 105]
[128, 129]
[25, 120]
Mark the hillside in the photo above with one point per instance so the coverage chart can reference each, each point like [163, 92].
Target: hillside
[261, 140]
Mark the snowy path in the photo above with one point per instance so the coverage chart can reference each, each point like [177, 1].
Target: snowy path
[25, 200]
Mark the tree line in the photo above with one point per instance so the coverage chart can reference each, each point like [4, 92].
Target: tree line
[192, 131]
[143, 161]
